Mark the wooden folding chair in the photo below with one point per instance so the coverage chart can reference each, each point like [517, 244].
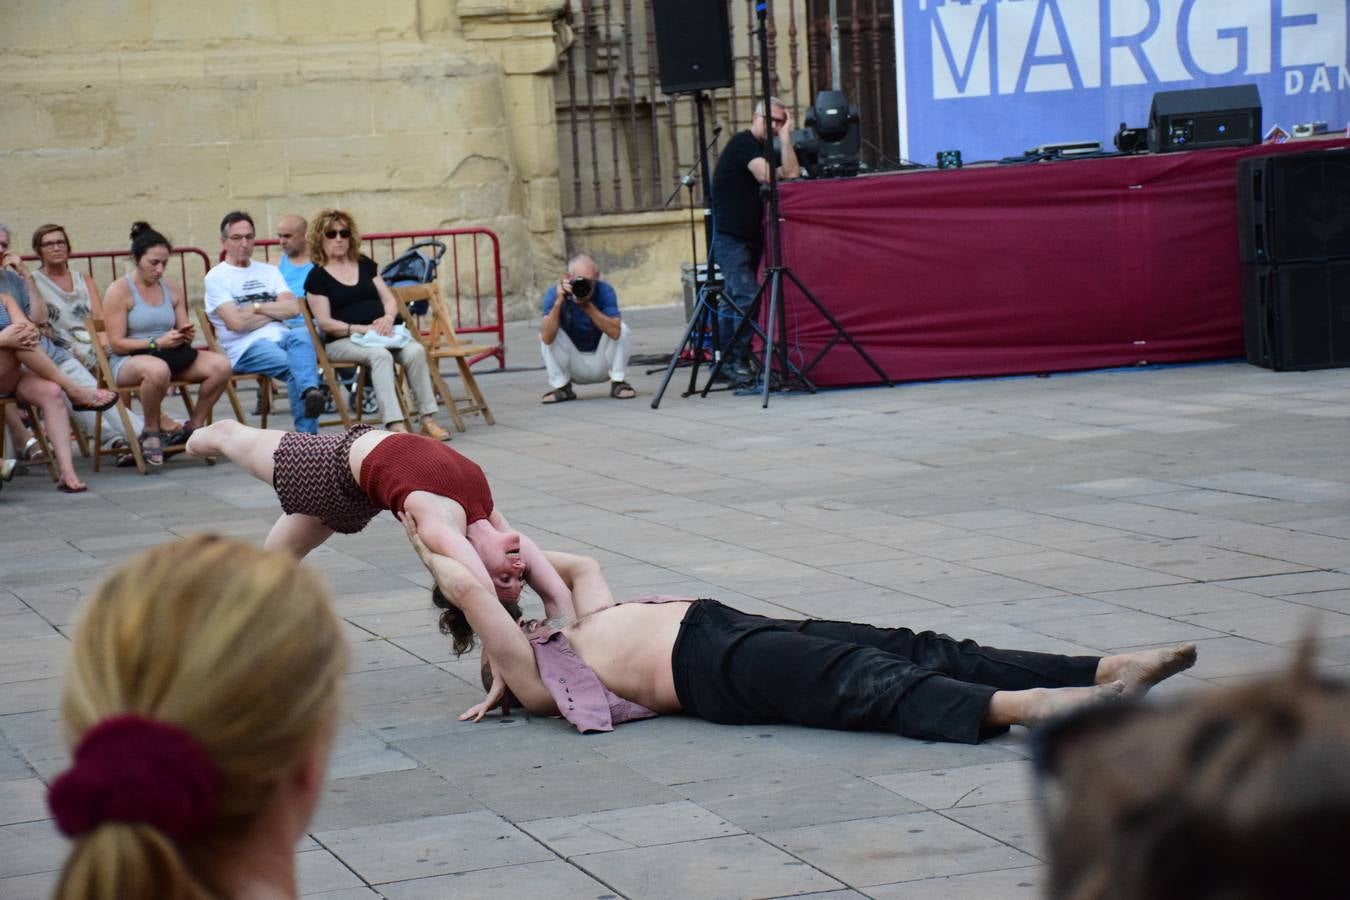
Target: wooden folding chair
[264, 382]
[328, 369]
[35, 423]
[441, 342]
[99, 331]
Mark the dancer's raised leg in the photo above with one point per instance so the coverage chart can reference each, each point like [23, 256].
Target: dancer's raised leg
[297, 533]
[249, 448]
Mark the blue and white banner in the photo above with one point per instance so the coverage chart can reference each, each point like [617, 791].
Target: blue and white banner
[993, 78]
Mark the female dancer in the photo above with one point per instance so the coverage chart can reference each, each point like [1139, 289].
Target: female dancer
[339, 482]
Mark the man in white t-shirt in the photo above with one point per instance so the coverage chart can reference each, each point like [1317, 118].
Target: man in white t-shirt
[247, 301]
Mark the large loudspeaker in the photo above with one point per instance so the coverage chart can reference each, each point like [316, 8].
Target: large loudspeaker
[1298, 316]
[1294, 207]
[1205, 117]
[693, 45]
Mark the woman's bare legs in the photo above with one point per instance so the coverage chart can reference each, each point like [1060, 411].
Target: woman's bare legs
[247, 447]
[150, 376]
[297, 533]
[48, 398]
[251, 449]
[41, 365]
[212, 372]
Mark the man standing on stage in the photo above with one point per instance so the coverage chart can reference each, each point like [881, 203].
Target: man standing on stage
[738, 213]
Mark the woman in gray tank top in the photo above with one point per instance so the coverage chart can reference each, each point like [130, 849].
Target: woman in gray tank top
[151, 339]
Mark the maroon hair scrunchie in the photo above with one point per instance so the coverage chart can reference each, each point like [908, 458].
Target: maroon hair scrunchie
[132, 769]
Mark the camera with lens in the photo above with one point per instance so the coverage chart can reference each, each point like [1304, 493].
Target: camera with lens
[581, 287]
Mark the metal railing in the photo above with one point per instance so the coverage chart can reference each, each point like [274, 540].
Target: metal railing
[107, 261]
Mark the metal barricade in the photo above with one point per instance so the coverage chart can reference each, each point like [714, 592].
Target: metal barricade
[94, 262]
[472, 256]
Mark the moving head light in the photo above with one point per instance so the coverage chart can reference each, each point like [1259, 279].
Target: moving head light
[829, 146]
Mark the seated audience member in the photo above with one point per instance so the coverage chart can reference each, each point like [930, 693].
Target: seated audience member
[247, 301]
[46, 359]
[151, 339]
[31, 375]
[354, 308]
[339, 482]
[1236, 793]
[624, 661]
[199, 703]
[294, 264]
[581, 337]
[64, 301]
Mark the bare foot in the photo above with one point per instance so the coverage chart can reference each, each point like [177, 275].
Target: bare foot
[1035, 706]
[200, 442]
[1046, 703]
[1145, 668]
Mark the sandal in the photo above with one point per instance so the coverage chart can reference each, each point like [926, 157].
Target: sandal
[560, 395]
[179, 436]
[152, 447]
[32, 451]
[7, 467]
[621, 390]
[103, 399]
[71, 489]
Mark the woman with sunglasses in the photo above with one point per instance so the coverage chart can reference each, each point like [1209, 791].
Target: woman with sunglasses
[348, 299]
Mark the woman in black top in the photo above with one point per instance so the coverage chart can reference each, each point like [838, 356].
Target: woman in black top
[348, 298]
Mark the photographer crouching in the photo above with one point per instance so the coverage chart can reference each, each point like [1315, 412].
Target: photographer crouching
[582, 338]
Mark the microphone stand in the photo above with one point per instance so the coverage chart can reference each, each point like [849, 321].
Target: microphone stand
[704, 317]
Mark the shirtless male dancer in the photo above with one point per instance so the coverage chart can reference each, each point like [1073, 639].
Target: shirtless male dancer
[618, 662]
[340, 481]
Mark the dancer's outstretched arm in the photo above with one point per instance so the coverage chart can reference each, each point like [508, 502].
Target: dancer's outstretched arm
[445, 539]
[502, 638]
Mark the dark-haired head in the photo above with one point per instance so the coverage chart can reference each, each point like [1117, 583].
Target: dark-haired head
[454, 623]
[144, 237]
[233, 216]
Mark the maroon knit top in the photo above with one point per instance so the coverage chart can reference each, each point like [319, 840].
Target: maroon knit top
[403, 463]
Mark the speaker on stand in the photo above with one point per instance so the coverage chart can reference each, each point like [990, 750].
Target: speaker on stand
[693, 45]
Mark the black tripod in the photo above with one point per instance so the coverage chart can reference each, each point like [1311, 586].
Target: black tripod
[703, 320]
[787, 376]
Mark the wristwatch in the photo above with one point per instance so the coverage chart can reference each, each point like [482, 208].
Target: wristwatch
[153, 345]
[257, 307]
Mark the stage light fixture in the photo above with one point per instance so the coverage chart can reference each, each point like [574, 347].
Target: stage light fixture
[829, 145]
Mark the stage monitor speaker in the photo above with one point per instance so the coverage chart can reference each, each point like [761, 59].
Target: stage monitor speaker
[1297, 316]
[693, 45]
[1294, 207]
[1205, 117]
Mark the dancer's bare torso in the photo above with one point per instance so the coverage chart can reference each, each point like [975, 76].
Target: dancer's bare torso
[628, 647]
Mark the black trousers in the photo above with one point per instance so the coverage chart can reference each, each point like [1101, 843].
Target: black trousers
[742, 669]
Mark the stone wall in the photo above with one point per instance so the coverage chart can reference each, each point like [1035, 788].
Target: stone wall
[179, 112]
[411, 114]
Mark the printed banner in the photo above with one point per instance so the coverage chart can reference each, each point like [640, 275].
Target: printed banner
[994, 78]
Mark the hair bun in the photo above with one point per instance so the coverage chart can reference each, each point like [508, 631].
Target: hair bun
[136, 770]
[138, 228]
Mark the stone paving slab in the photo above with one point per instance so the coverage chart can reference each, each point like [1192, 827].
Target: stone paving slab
[1078, 514]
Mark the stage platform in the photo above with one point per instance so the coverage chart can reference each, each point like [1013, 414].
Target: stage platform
[1042, 267]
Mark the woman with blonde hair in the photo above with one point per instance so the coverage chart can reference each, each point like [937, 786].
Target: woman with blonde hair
[356, 312]
[200, 704]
